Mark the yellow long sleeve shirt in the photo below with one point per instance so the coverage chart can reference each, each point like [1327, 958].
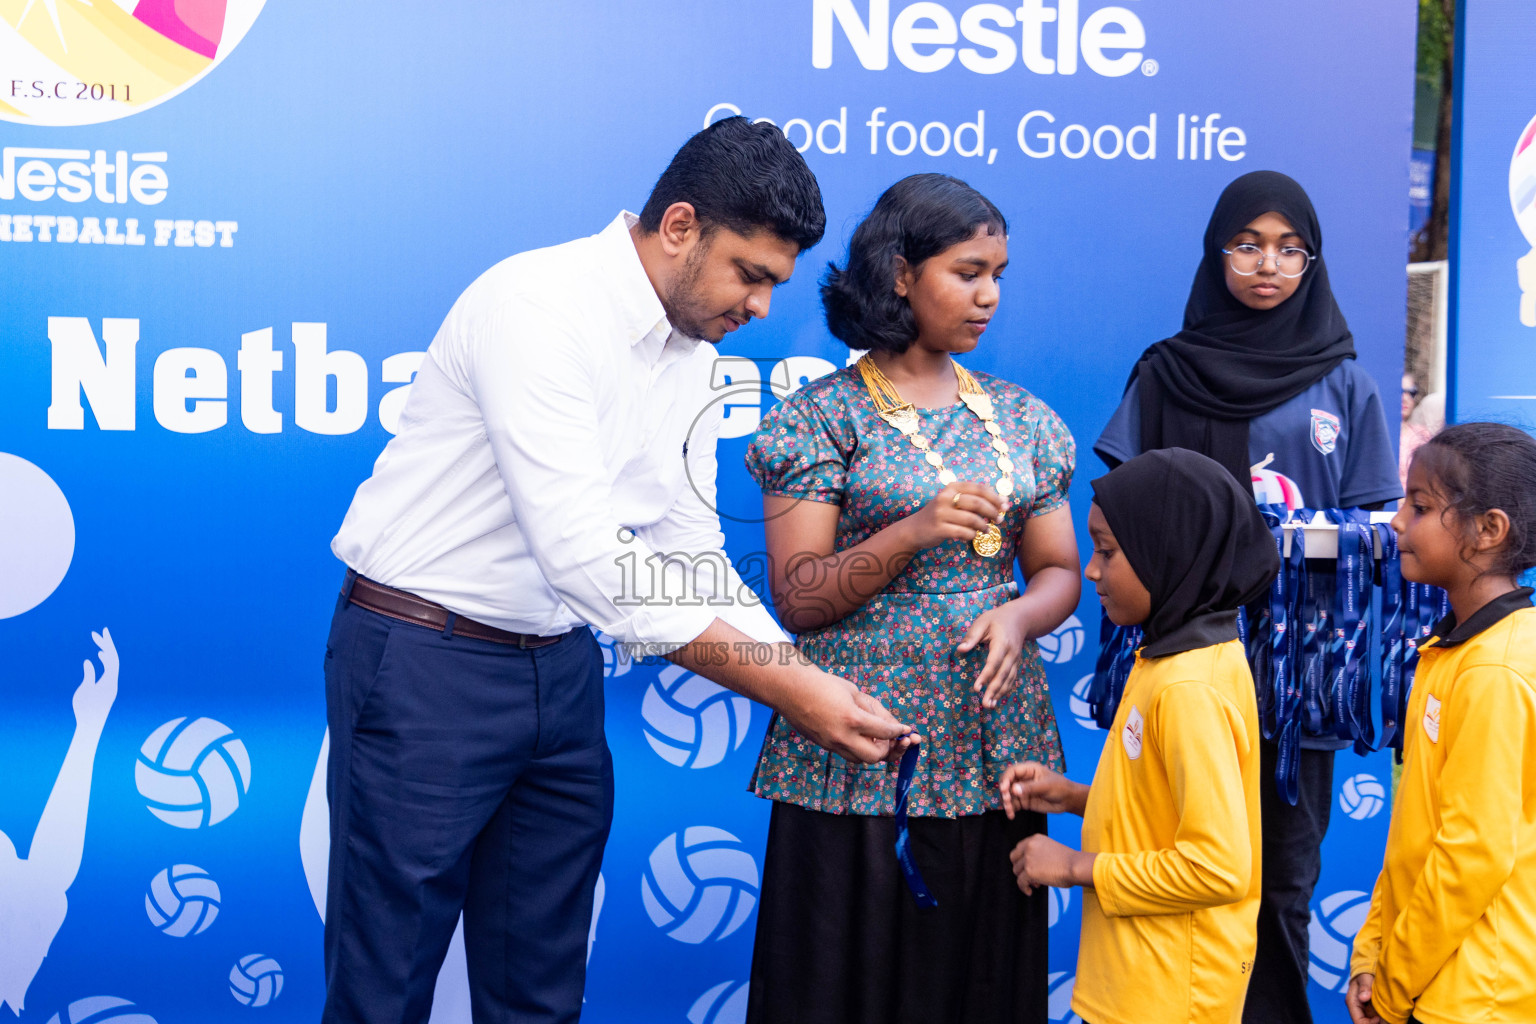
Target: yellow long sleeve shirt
[1451, 935]
[1169, 927]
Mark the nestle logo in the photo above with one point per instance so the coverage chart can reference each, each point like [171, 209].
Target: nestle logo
[924, 36]
[75, 175]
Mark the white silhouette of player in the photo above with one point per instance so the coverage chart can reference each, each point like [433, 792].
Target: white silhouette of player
[32, 900]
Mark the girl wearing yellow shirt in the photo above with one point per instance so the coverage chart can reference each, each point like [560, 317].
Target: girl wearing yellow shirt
[1451, 935]
[1171, 845]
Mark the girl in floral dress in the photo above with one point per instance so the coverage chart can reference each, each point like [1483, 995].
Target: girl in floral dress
[898, 494]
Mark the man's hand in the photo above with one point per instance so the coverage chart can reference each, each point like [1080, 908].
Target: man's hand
[1041, 860]
[1358, 999]
[1031, 786]
[833, 713]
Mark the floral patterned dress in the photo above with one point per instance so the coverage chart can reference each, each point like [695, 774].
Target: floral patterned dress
[826, 443]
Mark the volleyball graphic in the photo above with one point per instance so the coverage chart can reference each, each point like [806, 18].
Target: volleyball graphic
[726, 1003]
[1061, 902]
[101, 1010]
[37, 535]
[699, 884]
[692, 722]
[1362, 796]
[1522, 196]
[616, 661]
[194, 773]
[182, 900]
[87, 61]
[1331, 937]
[1064, 643]
[256, 980]
[1059, 1001]
[1082, 713]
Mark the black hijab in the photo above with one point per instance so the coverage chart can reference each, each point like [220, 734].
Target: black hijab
[1201, 387]
[1196, 540]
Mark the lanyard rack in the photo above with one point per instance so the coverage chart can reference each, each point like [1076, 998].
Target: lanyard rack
[1337, 635]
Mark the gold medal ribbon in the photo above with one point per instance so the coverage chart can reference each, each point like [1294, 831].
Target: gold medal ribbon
[902, 415]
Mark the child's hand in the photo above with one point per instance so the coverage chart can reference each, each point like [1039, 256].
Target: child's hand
[1031, 786]
[1041, 860]
[1358, 999]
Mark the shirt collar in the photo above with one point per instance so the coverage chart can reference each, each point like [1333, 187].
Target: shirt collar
[1448, 633]
[637, 301]
[1203, 631]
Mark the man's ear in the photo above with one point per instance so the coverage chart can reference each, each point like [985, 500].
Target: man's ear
[679, 229]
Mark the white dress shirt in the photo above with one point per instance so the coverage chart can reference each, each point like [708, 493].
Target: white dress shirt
[558, 434]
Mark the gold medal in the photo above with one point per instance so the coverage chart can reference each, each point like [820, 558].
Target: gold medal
[902, 415]
[987, 543]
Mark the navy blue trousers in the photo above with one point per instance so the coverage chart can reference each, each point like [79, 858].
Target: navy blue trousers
[463, 775]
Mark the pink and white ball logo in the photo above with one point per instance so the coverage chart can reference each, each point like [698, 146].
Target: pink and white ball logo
[73, 62]
[1522, 194]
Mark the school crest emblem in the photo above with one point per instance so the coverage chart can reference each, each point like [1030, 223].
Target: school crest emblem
[1325, 431]
[1131, 735]
[1432, 719]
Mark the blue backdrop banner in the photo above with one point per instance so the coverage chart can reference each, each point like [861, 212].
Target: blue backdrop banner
[228, 230]
[1493, 217]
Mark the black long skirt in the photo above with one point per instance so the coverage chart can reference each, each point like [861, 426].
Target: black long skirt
[840, 939]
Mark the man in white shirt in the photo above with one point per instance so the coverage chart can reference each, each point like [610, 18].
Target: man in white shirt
[558, 446]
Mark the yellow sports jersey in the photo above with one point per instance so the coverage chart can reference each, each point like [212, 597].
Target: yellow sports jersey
[1168, 929]
[1451, 935]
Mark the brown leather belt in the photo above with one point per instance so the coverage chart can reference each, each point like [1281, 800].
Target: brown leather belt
[407, 607]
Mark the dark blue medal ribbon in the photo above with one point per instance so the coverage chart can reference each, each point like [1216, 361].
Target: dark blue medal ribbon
[1286, 602]
[1390, 572]
[1269, 639]
[1117, 656]
[1351, 630]
[904, 857]
[1312, 617]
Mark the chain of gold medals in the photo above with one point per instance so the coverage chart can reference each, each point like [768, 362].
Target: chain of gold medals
[902, 415]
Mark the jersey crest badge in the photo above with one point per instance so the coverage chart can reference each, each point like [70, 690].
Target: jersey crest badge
[1131, 735]
[1325, 431]
[1432, 719]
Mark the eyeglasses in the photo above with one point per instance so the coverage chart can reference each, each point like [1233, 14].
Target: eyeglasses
[1248, 259]
[1411, 392]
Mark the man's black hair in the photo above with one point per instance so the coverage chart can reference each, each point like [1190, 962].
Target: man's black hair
[743, 176]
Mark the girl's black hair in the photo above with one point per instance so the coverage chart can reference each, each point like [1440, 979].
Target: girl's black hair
[1477, 467]
[918, 217]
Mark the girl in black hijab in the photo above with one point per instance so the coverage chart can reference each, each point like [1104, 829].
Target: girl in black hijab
[1263, 379]
[1171, 823]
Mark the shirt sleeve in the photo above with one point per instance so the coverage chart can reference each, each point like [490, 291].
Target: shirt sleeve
[1487, 726]
[1370, 467]
[1055, 458]
[1210, 864]
[1367, 944]
[690, 541]
[1121, 438]
[535, 382]
[797, 453]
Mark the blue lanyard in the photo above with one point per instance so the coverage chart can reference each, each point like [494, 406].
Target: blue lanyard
[1349, 681]
[1287, 599]
[1391, 670]
[904, 857]
[1117, 656]
[1270, 654]
[1312, 616]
